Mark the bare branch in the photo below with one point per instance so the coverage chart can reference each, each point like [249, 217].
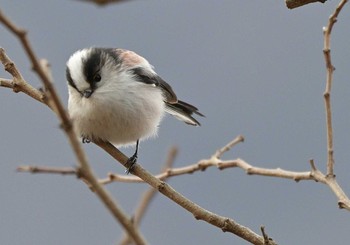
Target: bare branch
[327, 94]
[18, 84]
[149, 195]
[291, 4]
[225, 224]
[227, 147]
[313, 174]
[214, 161]
[7, 83]
[103, 2]
[47, 170]
[267, 239]
[200, 166]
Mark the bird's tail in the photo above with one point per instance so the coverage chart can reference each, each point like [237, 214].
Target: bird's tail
[183, 111]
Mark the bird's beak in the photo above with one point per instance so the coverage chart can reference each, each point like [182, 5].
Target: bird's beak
[87, 93]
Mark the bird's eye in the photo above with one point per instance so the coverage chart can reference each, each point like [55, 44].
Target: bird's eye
[97, 77]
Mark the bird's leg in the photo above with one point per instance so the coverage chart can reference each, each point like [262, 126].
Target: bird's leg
[132, 160]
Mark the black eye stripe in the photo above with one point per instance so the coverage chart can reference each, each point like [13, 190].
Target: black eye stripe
[96, 60]
[92, 65]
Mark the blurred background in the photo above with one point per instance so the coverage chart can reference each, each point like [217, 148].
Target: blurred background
[253, 68]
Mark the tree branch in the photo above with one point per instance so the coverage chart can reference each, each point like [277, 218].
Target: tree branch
[47, 170]
[84, 169]
[148, 196]
[291, 4]
[200, 166]
[18, 84]
[225, 224]
[313, 174]
[103, 2]
[327, 94]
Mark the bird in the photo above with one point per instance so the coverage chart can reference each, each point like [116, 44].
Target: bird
[116, 96]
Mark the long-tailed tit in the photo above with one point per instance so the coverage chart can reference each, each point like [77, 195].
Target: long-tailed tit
[116, 96]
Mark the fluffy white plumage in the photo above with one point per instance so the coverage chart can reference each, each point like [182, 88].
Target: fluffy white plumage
[119, 110]
[116, 96]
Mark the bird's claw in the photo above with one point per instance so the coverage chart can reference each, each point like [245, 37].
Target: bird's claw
[130, 163]
[85, 140]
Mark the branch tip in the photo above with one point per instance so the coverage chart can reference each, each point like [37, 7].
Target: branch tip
[313, 166]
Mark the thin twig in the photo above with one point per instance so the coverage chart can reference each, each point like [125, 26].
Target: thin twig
[327, 94]
[18, 84]
[170, 172]
[313, 174]
[227, 147]
[213, 161]
[267, 239]
[47, 170]
[7, 83]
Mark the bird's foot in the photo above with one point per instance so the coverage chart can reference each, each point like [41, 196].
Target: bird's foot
[130, 163]
[85, 140]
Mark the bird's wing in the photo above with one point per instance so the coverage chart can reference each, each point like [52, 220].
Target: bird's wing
[149, 78]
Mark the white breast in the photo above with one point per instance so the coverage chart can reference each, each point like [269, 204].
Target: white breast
[120, 113]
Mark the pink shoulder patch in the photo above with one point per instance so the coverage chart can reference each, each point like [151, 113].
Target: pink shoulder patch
[130, 58]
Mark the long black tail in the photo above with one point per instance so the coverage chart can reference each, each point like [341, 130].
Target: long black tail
[183, 111]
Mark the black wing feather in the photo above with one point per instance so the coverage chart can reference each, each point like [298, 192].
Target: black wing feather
[180, 109]
[145, 77]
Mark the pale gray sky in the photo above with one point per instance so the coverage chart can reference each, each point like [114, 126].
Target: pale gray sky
[252, 67]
